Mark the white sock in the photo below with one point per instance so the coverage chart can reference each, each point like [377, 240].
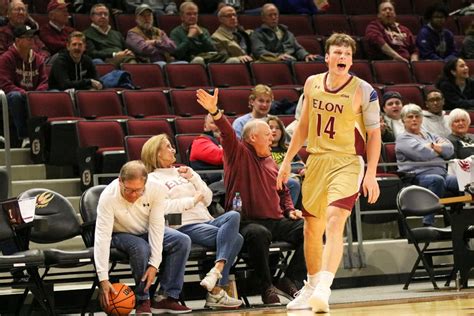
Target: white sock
[313, 279]
[325, 279]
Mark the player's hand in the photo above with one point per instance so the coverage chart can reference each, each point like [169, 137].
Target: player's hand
[295, 214]
[283, 174]
[149, 277]
[371, 189]
[207, 101]
[105, 291]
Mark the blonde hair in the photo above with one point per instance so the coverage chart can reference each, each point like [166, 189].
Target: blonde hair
[150, 152]
[340, 39]
[457, 114]
[259, 90]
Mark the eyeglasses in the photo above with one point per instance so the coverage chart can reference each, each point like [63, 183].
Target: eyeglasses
[139, 191]
[230, 15]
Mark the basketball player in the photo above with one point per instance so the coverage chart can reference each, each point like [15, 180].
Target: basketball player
[340, 117]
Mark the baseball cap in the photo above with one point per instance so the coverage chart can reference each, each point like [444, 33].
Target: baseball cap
[142, 8]
[56, 4]
[391, 95]
[24, 31]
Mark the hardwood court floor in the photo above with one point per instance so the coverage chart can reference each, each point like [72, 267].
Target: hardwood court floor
[446, 307]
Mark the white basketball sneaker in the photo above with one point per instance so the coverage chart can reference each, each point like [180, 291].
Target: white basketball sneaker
[319, 300]
[301, 300]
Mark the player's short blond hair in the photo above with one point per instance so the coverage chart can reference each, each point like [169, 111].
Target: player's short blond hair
[340, 39]
[259, 90]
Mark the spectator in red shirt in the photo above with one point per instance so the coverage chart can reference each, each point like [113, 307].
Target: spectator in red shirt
[388, 39]
[54, 34]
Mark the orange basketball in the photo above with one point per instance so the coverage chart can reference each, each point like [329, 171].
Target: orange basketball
[123, 302]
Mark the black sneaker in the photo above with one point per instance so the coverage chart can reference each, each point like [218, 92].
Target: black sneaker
[287, 288]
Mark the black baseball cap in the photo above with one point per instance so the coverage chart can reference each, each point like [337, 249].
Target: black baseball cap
[24, 31]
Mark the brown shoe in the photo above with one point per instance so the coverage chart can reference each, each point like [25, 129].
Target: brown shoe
[269, 296]
[287, 288]
[168, 305]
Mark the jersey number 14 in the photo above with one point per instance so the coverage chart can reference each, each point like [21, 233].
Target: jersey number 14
[328, 128]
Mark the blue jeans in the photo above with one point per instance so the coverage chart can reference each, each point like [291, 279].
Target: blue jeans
[221, 234]
[438, 185]
[294, 186]
[176, 247]
[17, 107]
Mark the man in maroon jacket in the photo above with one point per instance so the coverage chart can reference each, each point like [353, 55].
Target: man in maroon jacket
[267, 214]
[18, 16]
[388, 39]
[54, 34]
[22, 70]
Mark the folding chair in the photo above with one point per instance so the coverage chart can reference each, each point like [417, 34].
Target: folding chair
[146, 104]
[188, 125]
[229, 75]
[184, 103]
[99, 104]
[273, 74]
[146, 76]
[391, 72]
[234, 101]
[183, 144]
[186, 76]
[149, 127]
[427, 71]
[134, 145]
[55, 212]
[415, 201]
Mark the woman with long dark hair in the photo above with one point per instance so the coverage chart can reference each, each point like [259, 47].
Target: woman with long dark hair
[457, 87]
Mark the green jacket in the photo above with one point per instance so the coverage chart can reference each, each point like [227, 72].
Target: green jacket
[188, 47]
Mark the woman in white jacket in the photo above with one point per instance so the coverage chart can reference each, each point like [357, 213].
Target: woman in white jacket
[190, 196]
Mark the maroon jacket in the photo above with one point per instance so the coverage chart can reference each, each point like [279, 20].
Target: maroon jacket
[54, 39]
[7, 39]
[19, 75]
[254, 177]
[400, 38]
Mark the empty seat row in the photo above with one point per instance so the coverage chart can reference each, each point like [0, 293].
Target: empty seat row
[277, 75]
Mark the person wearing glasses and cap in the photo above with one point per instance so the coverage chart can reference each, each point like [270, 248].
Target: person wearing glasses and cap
[22, 70]
[130, 217]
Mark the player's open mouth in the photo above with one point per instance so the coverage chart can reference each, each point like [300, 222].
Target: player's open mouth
[341, 66]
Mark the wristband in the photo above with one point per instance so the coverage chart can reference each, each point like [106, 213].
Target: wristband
[216, 112]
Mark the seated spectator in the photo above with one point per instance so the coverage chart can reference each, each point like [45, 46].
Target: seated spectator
[230, 38]
[190, 196]
[456, 85]
[22, 70]
[463, 142]
[206, 151]
[435, 120]
[103, 43]
[279, 149]
[468, 43]
[388, 39]
[130, 217]
[274, 42]
[159, 7]
[72, 69]
[268, 214]
[435, 41]
[392, 106]
[193, 42]
[54, 34]
[416, 145]
[260, 102]
[385, 130]
[149, 42]
[18, 16]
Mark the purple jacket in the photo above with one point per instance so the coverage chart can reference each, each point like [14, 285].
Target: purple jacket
[136, 38]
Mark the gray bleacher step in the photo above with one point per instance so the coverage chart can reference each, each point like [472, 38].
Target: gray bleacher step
[67, 187]
[28, 172]
[19, 156]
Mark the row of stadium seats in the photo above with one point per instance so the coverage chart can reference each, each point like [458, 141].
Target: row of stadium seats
[323, 24]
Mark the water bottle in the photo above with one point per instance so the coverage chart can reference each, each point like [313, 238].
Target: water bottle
[237, 202]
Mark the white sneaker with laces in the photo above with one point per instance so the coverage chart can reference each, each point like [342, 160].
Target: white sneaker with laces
[221, 300]
[301, 298]
[319, 300]
[210, 279]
